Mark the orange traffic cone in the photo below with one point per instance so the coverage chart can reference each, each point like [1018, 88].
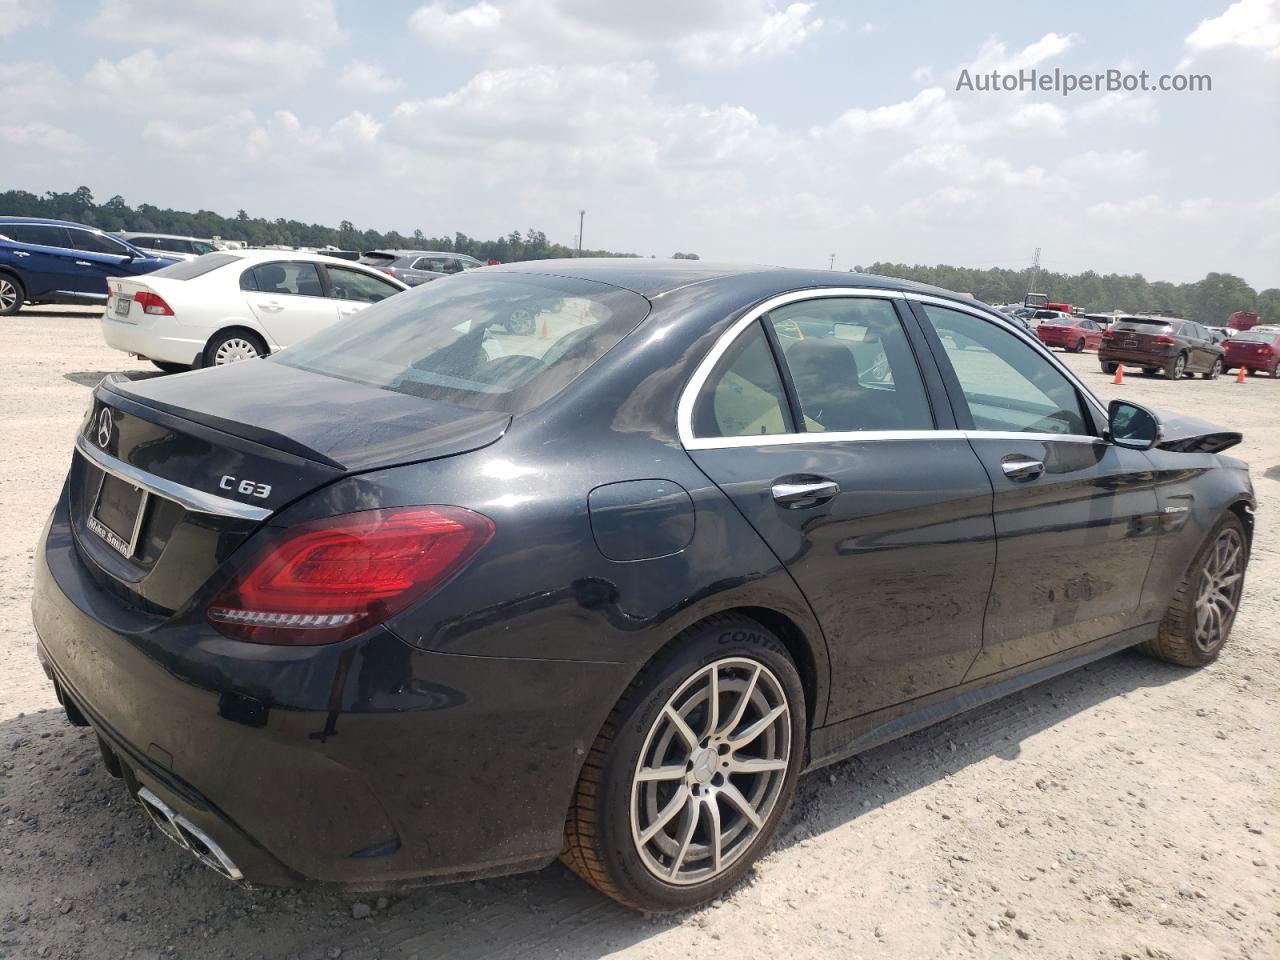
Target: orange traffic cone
[546, 329]
[1119, 377]
[1241, 374]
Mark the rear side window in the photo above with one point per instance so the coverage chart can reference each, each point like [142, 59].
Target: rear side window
[852, 365]
[482, 340]
[39, 234]
[1007, 384]
[286, 278]
[190, 269]
[743, 396]
[172, 245]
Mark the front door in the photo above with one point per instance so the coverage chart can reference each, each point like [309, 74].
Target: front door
[288, 299]
[1076, 517]
[845, 467]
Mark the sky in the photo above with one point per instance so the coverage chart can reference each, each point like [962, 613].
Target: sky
[743, 130]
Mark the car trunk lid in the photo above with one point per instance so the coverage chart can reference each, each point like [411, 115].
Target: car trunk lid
[172, 474]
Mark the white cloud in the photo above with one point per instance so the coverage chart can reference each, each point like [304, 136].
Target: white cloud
[1252, 25]
[42, 140]
[1120, 107]
[29, 86]
[1124, 212]
[364, 77]
[201, 56]
[710, 34]
[17, 15]
[1124, 164]
[995, 54]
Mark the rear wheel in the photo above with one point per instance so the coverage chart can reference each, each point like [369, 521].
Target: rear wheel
[1079, 346]
[1200, 616]
[1214, 371]
[521, 322]
[11, 295]
[1178, 368]
[686, 784]
[1108, 367]
[232, 346]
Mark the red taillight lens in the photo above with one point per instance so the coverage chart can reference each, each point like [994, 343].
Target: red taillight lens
[152, 303]
[389, 271]
[1163, 341]
[1107, 335]
[328, 580]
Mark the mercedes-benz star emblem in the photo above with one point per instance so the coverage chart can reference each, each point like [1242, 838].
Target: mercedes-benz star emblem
[104, 427]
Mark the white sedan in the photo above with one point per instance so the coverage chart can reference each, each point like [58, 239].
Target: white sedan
[235, 305]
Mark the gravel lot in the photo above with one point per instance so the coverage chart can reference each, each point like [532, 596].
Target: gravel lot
[1129, 809]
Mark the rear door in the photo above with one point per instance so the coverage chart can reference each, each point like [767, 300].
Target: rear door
[830, 431]
[42, 255]
[1075, 516]
[289, 299]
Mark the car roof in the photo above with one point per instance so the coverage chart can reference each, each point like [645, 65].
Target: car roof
[653, 278]
[129, 234]
[49, 222]
[385, 252]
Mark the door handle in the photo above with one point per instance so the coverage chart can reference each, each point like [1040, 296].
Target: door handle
[21, 253]
[83, 263]
[1018, 467]
[804, 493]
[272, 306]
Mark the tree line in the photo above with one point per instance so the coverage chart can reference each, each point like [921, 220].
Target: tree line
[1209, 300]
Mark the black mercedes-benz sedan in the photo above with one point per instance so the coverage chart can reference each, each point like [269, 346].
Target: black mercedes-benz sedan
[425, 598]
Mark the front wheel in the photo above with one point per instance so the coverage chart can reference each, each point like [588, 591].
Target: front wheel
[1178, 368]
[1199, 618]
[1215, 371]
[11, 295]
[686, 784]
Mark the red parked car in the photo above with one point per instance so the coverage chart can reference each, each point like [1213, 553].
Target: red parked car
[1255, 350]
[1076, 334]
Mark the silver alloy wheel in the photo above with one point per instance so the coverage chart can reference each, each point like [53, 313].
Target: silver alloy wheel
[233, 350]
[8, 294]
[711, 771]
[1179, 367]
[1216, 371]
[1220, 583]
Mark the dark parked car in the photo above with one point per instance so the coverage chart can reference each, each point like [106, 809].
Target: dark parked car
[55, 261]
[1255, 350]
[422, 598]
[1176, 347]
[416, 267]
[169, 244]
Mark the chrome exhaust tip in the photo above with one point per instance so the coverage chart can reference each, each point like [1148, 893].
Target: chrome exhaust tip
[188, 836]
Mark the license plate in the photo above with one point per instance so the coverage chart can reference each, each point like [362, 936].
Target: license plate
[117, 514]
[1131, 343]
[122, 305]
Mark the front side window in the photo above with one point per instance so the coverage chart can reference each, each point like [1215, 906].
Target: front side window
[1006, 383]
[432, 264]
[171, 245]
[98, 243]
[852, 365]
[467, 342]
[291, 278]
[358, 285]
[743, 396]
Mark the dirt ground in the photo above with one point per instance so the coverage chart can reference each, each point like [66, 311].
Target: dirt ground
[1129, 809]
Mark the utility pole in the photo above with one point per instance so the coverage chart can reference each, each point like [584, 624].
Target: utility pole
[1035, 271]
[581, 216]
[832, 264]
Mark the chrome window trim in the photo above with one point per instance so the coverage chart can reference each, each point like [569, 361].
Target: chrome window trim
[684, 410]
[873, 436]
[187, 497]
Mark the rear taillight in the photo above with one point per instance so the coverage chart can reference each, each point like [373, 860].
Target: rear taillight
[152, 303]
[1107, 335]
[389, 271]
[331, 579]
[1163, 341]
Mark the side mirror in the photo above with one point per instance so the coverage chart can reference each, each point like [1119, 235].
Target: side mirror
[1132, 426]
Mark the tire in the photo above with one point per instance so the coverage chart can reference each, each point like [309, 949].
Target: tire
[613, 808]
[521, 322]
[1213, 372]
[12, 294]
[1109, 367]
[233, 346]
[1184, 638]
[1079, 348]
[170, 367]
[1177, 367]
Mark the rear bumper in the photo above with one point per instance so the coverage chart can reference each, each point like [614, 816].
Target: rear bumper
[363, 765]
[1249, 363]
[1136, 358]
[141, 339]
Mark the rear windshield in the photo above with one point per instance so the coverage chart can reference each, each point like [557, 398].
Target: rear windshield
[377, 259]
[190, 269]
[504, 342]
[1255, 336]
[1141, 325]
